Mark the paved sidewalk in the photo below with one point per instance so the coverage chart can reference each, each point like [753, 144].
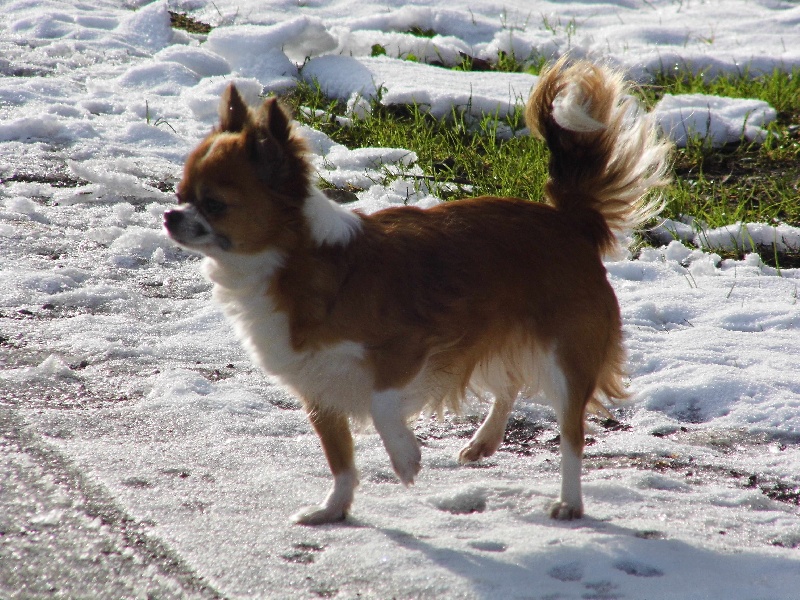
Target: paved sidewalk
[60, 537]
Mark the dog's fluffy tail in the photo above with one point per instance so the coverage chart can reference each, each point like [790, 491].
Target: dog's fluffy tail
[605, 151]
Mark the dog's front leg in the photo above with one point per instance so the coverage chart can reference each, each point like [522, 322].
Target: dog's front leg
[389, 418]
[337, 442]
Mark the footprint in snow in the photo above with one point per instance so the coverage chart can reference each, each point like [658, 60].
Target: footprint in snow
[602, 590]
[302, 553]
[572, 571]
[637, 569]
[487, 546]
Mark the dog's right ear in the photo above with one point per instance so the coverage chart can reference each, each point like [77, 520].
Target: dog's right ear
[233, 112]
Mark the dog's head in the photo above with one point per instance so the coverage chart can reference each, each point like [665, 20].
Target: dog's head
[244, 185]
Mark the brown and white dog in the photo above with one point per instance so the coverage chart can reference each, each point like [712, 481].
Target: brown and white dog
[378, 317]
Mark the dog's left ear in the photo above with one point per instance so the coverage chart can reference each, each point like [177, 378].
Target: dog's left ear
[233, 112]
[275, 119]
[268, 141]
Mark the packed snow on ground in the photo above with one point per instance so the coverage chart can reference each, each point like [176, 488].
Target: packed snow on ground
[142, 448]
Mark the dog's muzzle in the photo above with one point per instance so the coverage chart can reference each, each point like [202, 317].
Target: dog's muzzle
[189, 228]
[172, 220]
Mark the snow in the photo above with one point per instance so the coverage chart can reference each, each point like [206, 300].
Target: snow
[714, 120]
[437, 90]
[741, 237]
[141, 446]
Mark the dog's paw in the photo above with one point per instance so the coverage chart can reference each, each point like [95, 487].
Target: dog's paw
[404, 453]
[564, 511]
[336, 504]
[474, 451]
[319, 515]
[407, 462]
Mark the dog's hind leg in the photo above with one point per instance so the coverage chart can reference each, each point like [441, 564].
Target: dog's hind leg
[570, 503]
[489, 436]
[568, 393]
[333, 429]
[389, 417]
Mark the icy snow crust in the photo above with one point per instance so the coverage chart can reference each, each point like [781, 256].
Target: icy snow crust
[142, 448]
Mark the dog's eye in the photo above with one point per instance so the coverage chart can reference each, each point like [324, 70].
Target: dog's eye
[213, 207]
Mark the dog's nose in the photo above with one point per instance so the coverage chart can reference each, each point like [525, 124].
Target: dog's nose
[172, 218]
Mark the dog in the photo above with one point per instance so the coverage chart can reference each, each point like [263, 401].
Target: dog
[378, 317]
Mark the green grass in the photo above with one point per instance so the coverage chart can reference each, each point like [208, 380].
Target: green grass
[740, 182]
[459, 155]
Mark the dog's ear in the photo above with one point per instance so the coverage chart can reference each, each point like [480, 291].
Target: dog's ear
[264, 148]
[267, 138]
[275, 151]
[275, 119]
[233, 112]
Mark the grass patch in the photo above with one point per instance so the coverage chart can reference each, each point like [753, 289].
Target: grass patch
[459, 155]
[506, 62]
[740, 182]
[420, 32]
[462, 156]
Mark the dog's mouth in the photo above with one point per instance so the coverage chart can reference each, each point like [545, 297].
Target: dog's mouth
[188, 228]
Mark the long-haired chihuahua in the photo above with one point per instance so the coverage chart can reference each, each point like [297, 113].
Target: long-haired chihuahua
[378, 317]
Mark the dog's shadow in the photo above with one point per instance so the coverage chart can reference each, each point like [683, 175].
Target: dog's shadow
[586, 569]
[480, 568]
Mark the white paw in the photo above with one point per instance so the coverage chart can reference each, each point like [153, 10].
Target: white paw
[406, 460]
[564, 511]
[336, 504]
[319, 515]
[399, 441]
[476, 450]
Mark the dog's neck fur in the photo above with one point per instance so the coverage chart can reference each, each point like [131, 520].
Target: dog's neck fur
[328, 222]
[243, 273]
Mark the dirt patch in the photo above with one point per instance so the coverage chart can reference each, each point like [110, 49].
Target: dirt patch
[187, 23]
[56, 180]
[780, 491]
[64, 395]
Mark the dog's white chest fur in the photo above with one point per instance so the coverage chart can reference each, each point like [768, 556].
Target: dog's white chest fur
[333, 376]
